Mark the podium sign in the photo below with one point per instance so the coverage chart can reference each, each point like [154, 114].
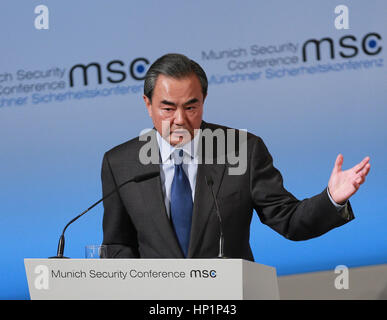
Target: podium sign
[150, 279]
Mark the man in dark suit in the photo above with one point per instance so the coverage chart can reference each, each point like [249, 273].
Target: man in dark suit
[173, 215]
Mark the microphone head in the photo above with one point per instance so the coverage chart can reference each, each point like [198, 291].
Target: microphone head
[209, 181]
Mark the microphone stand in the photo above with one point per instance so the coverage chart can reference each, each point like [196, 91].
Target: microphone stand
[61, 243]
[210, 183]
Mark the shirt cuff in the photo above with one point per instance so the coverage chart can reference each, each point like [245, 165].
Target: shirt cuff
[339, 207]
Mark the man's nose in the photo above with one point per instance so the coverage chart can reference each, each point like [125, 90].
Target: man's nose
[179, 117]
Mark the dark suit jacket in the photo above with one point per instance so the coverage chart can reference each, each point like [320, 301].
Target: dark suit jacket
[136, 225]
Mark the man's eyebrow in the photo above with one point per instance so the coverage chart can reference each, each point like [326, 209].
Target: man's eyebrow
[169, 103]
[194, 100]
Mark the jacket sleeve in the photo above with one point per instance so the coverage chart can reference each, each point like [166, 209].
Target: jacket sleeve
[119, 233]
[280, 210]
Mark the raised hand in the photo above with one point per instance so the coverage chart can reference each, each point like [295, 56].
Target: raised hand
[343, 184]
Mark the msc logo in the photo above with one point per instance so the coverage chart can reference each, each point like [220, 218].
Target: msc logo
[347, 44]
[137, 70]
[41, 280]
[202, 274]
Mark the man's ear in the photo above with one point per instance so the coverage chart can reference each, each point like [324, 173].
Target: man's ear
[148, 104]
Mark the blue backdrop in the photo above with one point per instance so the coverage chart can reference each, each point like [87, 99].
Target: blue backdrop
[265, 76]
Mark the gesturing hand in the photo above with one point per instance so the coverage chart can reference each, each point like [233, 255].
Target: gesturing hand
[343, 184]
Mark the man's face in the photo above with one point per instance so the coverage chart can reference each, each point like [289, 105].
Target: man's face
[176, 108]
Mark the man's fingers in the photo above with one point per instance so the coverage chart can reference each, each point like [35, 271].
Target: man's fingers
[365, 170]
[356, 185]
[361, 165]
[361, 175]
[338, 163]
[359, 180]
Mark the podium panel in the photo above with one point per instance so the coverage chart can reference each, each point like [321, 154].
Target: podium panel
[150, 279]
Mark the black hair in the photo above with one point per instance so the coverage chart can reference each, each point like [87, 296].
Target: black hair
[176, 66]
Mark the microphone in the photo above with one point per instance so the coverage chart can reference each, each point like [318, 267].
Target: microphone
[210, 183]
[138, 178]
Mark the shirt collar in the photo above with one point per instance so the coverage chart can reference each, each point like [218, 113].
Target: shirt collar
[190, 148]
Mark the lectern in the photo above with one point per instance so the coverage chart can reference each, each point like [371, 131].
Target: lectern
[150, 279]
